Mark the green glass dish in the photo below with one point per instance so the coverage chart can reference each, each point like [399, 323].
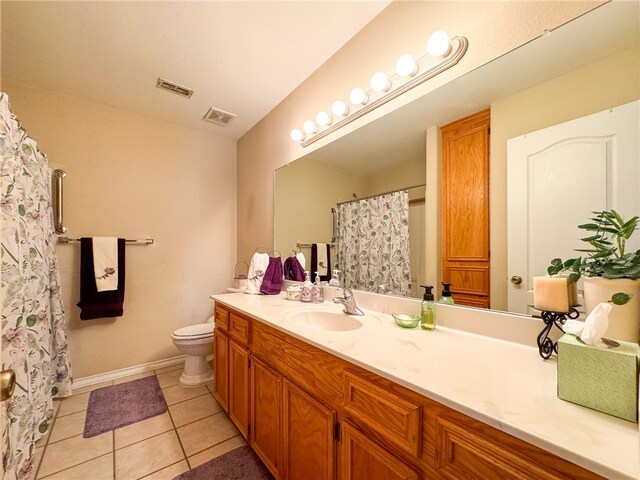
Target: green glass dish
[406, 320]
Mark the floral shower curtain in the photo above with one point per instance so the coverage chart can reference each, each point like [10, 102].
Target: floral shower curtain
[373, 243]
[34, 342]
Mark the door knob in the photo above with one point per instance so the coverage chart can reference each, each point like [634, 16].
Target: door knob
[516, 280]
[7, 384]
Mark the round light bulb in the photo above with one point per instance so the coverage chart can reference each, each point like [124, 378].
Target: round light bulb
[380, 82]
[358, 97]
[406, 66]
[339, 108]
[323, 119]
[438, 44]
[309, 127]
[297, 135]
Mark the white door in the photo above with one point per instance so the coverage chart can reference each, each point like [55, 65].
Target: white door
[556, 177]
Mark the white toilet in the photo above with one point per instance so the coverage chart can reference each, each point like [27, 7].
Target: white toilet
[196, 342]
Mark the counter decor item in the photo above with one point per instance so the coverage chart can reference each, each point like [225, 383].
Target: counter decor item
[240, 279]
[428, 309]
[610, 273]
[406, 320]
[603, 379]
[294, 292]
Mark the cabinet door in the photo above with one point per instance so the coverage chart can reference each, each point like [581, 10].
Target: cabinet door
[308, 436]
[239, 387]
[362, 458]
[465, 208]
[221, 369]
[266, 414]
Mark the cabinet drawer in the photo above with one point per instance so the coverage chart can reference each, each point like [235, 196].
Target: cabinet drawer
[239, 328]
[396, 419]
[462, 452]
[221, 316]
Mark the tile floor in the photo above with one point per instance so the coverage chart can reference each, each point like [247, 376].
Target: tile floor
[192, 432]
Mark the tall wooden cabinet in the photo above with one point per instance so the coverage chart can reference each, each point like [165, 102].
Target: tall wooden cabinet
[310, 415]
[465, 208]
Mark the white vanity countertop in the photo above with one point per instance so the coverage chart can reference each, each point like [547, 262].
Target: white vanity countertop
[504, 384]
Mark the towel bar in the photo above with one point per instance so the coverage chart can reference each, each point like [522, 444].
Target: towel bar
[308, 245]
[144, 241]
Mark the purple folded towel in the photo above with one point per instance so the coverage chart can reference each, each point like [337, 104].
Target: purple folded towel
[272, 280]
[94, 304]
[293, 270]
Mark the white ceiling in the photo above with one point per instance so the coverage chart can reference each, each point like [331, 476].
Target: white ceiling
[241, 57]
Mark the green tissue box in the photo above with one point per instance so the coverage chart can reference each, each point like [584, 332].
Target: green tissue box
[604, 379]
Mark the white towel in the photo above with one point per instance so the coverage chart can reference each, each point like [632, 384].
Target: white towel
[301, 259]
[258, 266]
[105, 263]
[323, 260]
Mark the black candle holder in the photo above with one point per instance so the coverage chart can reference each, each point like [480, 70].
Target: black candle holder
[546, 346]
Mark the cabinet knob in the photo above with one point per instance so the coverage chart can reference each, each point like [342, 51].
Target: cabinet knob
[516, 280]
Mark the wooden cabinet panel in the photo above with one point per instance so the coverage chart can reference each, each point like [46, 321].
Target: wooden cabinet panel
[309, 451]
[221, 316]
[362, 458]
[396, 419]
[463, 453]
[266, 414]
[465, 208]
[239, 328]
[221, 368]
[239, 387]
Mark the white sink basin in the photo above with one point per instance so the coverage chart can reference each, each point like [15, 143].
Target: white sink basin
[322, 319]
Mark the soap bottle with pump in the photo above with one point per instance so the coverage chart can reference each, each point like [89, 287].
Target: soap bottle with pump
[428, 309]
[318, 290]
[446, 297]
[306, 295]
[335, 279]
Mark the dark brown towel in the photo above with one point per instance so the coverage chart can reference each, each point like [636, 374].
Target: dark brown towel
[314, 263]
[94, 304]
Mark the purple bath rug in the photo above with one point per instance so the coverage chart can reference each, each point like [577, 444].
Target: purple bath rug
[239, 464]
[121, 405]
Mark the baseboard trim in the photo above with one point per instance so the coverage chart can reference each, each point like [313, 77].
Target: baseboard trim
[125, 372]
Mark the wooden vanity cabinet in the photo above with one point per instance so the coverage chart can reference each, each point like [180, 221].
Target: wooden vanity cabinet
[266, 415]
[315, 416]
[221, 368]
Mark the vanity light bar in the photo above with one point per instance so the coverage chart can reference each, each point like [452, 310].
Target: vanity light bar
[384, 88]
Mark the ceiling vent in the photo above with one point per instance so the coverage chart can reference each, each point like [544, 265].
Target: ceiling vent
[174, 87]
[219, 117]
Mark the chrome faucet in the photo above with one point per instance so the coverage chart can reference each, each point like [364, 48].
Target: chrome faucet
[349, 302]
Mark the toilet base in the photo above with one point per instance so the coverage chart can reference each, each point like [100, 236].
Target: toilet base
[197, 372]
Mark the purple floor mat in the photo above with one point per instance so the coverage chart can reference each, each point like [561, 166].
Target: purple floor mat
[239, 464]
[121, 405]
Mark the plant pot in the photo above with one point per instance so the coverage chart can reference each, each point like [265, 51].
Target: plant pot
[624, 320]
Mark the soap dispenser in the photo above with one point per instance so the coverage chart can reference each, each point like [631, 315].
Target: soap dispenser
[446, 297]
[335, 279]
[318, 290]
[428, 309]
[307, 289]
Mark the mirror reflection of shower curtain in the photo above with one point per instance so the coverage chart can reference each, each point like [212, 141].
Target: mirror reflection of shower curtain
[34, 339]
[372, 245]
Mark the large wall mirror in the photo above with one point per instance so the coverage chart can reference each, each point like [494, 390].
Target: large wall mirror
[588, 66]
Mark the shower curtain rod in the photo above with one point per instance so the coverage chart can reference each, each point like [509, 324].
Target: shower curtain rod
[383, 193]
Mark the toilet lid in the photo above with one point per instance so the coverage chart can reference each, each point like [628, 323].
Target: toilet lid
[199, 330]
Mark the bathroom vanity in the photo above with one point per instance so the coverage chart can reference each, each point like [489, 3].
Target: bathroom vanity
[379, 402]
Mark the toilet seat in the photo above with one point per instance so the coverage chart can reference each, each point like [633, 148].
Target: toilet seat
[201, 330]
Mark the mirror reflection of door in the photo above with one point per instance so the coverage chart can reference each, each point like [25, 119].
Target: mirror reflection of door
[558, 176]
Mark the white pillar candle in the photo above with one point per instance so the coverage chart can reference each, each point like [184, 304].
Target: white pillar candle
[551, 294]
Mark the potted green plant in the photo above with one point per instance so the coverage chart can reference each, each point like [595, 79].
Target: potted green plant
[610, 272]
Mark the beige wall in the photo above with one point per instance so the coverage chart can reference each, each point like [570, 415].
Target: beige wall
[493, 28]
[305, 194]
[134, 177]
[607, 83]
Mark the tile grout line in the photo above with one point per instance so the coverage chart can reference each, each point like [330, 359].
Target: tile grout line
[74, 466]
[175, 429]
